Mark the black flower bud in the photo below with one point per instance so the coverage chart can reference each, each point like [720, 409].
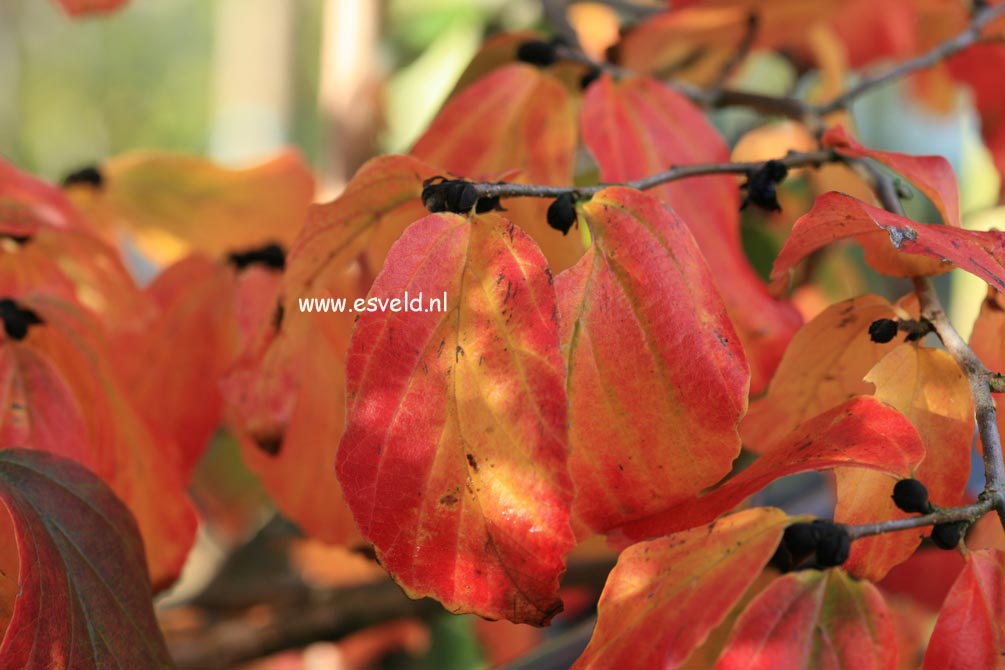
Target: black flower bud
[882, 331]
[911, 496]
[762, 186]
[537, 53]
[948, 535]
[16, 319]
[562, 213]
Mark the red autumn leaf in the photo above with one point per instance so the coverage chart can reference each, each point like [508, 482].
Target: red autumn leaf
[81, 598]
[925, 577]
[970, 631]
[286, 391]
[928, 387]
[454, 456]
[862, 433]
[980, 67]
[825, 365]
[836, 216]
[658, 380]
[62, 395]
[664, 596]
[639, 126]
[813, 620]
[28, 204]
[172, 204]
[518, 117]
[932, 175]
[208, 310]
[988, 342]
[86, 7]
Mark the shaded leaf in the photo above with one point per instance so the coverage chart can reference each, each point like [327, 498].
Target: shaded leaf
[286, 390]
[824, 365]
[862, 433]
[173, 204]
[657, 377]
[82, 599]
[454, 456]
[928, 387]
[970, 631]
[813, 620]
[517, 117]
[637, 127]
[62, 395]
[837, 217]
[664, 596]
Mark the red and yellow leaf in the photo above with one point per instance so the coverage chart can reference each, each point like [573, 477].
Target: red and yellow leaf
[836, 216]
[639, 126]
[28, 204]
[517, 117]
[861, 433]
[286, 391]
[454, 456]
[657, 376]
[173, 204]
[664, 596]
[970, 631]
[813, 620]
[64, 396]
[76, 591]
[928, 387]
[824, 366]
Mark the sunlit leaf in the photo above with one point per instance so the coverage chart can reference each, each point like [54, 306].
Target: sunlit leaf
[657, 377]
[639, 126]
[80, 596]
[861, 433]
[665, 595]
[970, 632]
[836, 216]
[454, 456]
[825, 365]
[518, 117]
[811, 620]
[173, 204]
[928, 387]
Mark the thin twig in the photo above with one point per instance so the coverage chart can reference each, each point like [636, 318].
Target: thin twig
[792, 160]
[742, 50]
[554, 12]
[938, 53]
[980, 388]
[947, 515]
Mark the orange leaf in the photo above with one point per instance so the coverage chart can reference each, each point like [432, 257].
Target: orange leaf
[836, 216]
[517, 117]
[928, 387]
[657, 377]
[286, 391]
[824, 366]
[66, 398]
[454, 456]
[174, 204]
[932, 175]
[862, 432]
[639, 126]
[664, 596]
[970, 631]
[813, 620]
[82, 599]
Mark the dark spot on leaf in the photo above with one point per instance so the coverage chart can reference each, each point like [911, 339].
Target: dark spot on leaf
[472, 462]
[450, 499]
[17, 320]
[270, 444]
[271, 256]
[87, 176]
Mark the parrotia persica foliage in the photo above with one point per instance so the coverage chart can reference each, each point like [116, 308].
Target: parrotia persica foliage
[558, 386]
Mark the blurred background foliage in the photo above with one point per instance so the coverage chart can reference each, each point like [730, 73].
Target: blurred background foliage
[342, 80]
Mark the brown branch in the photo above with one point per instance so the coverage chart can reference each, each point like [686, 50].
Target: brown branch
[980, 388]
[943, 50]
[792, 160]
[742, 50]
[947, 515]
